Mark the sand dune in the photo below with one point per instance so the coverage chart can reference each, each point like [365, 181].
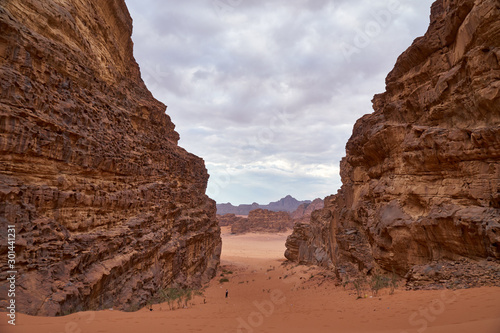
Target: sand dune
[266, 296]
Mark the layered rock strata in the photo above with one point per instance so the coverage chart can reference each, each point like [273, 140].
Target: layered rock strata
[308, 242]
[106, 206]
[421, 176]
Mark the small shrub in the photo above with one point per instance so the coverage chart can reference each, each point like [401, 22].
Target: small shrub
[359, 285]
[132, 308]
[177, 296]
[378, 282]
[223, 280]
[394, 281]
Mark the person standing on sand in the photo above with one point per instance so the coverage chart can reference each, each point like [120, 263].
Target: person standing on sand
[227, 292]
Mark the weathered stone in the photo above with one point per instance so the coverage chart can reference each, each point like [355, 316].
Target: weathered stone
[228, 220]
[107, 207]
[309, 242]
[263, 220]
[421, 179]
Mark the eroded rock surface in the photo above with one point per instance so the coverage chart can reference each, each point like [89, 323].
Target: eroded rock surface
[107, 207]
[309, 241]
[421, 179]
[263, 220]
[304, 211]
[228, 220]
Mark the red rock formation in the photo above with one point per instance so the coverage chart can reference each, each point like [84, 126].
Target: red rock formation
[421, 179]
[107, 208]
[263, 220]
[309, 241]
[304, 211]
[228, 220]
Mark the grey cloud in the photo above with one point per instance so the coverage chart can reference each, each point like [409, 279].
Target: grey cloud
[263, 89]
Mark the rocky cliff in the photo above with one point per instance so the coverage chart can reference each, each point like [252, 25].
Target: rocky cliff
[106, 206]
[421, 176]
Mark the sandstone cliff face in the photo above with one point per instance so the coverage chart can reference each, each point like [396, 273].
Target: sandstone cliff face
[421, 179]
[228, 220]
[308, 243]
[107, 207]
[262, 220]
[304, 211]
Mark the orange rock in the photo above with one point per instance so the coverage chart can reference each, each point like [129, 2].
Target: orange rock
[262, 220]
[421, 179]
[107, 207]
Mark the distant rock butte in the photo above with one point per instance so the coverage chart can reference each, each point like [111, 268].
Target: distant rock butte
[304, 211]
[263, 220]
[107, 207]
[286, 204]
[421, 179]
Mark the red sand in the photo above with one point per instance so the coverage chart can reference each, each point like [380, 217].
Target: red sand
[262, 300]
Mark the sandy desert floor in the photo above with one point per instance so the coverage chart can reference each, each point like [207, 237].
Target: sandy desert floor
[266, 296]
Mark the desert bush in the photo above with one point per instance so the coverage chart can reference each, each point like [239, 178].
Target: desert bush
[177, 296]
[393, 284]
[359, 284]
[377, 282]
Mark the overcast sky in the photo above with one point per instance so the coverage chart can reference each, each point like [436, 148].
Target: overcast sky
[267, 91]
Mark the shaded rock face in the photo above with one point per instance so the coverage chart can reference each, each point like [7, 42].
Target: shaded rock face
[107, 208]
[262, 220]
[309, 241]
[304, 211]
[421, 179]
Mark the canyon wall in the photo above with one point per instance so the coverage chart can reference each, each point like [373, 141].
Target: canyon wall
[228, 220]
[421, 176]
[304, 211]
[106, 206]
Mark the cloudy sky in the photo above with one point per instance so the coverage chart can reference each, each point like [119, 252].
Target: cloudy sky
[267, 91]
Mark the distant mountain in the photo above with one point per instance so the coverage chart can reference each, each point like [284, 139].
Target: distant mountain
[286, 204]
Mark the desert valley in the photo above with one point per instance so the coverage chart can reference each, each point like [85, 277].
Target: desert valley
[266, 294]
[107, 225]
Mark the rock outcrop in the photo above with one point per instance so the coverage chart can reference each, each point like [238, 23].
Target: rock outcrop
[263, 220]
[107, 207]
[308, 242]
[228, 220]
[421, 176]
[304, 211]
